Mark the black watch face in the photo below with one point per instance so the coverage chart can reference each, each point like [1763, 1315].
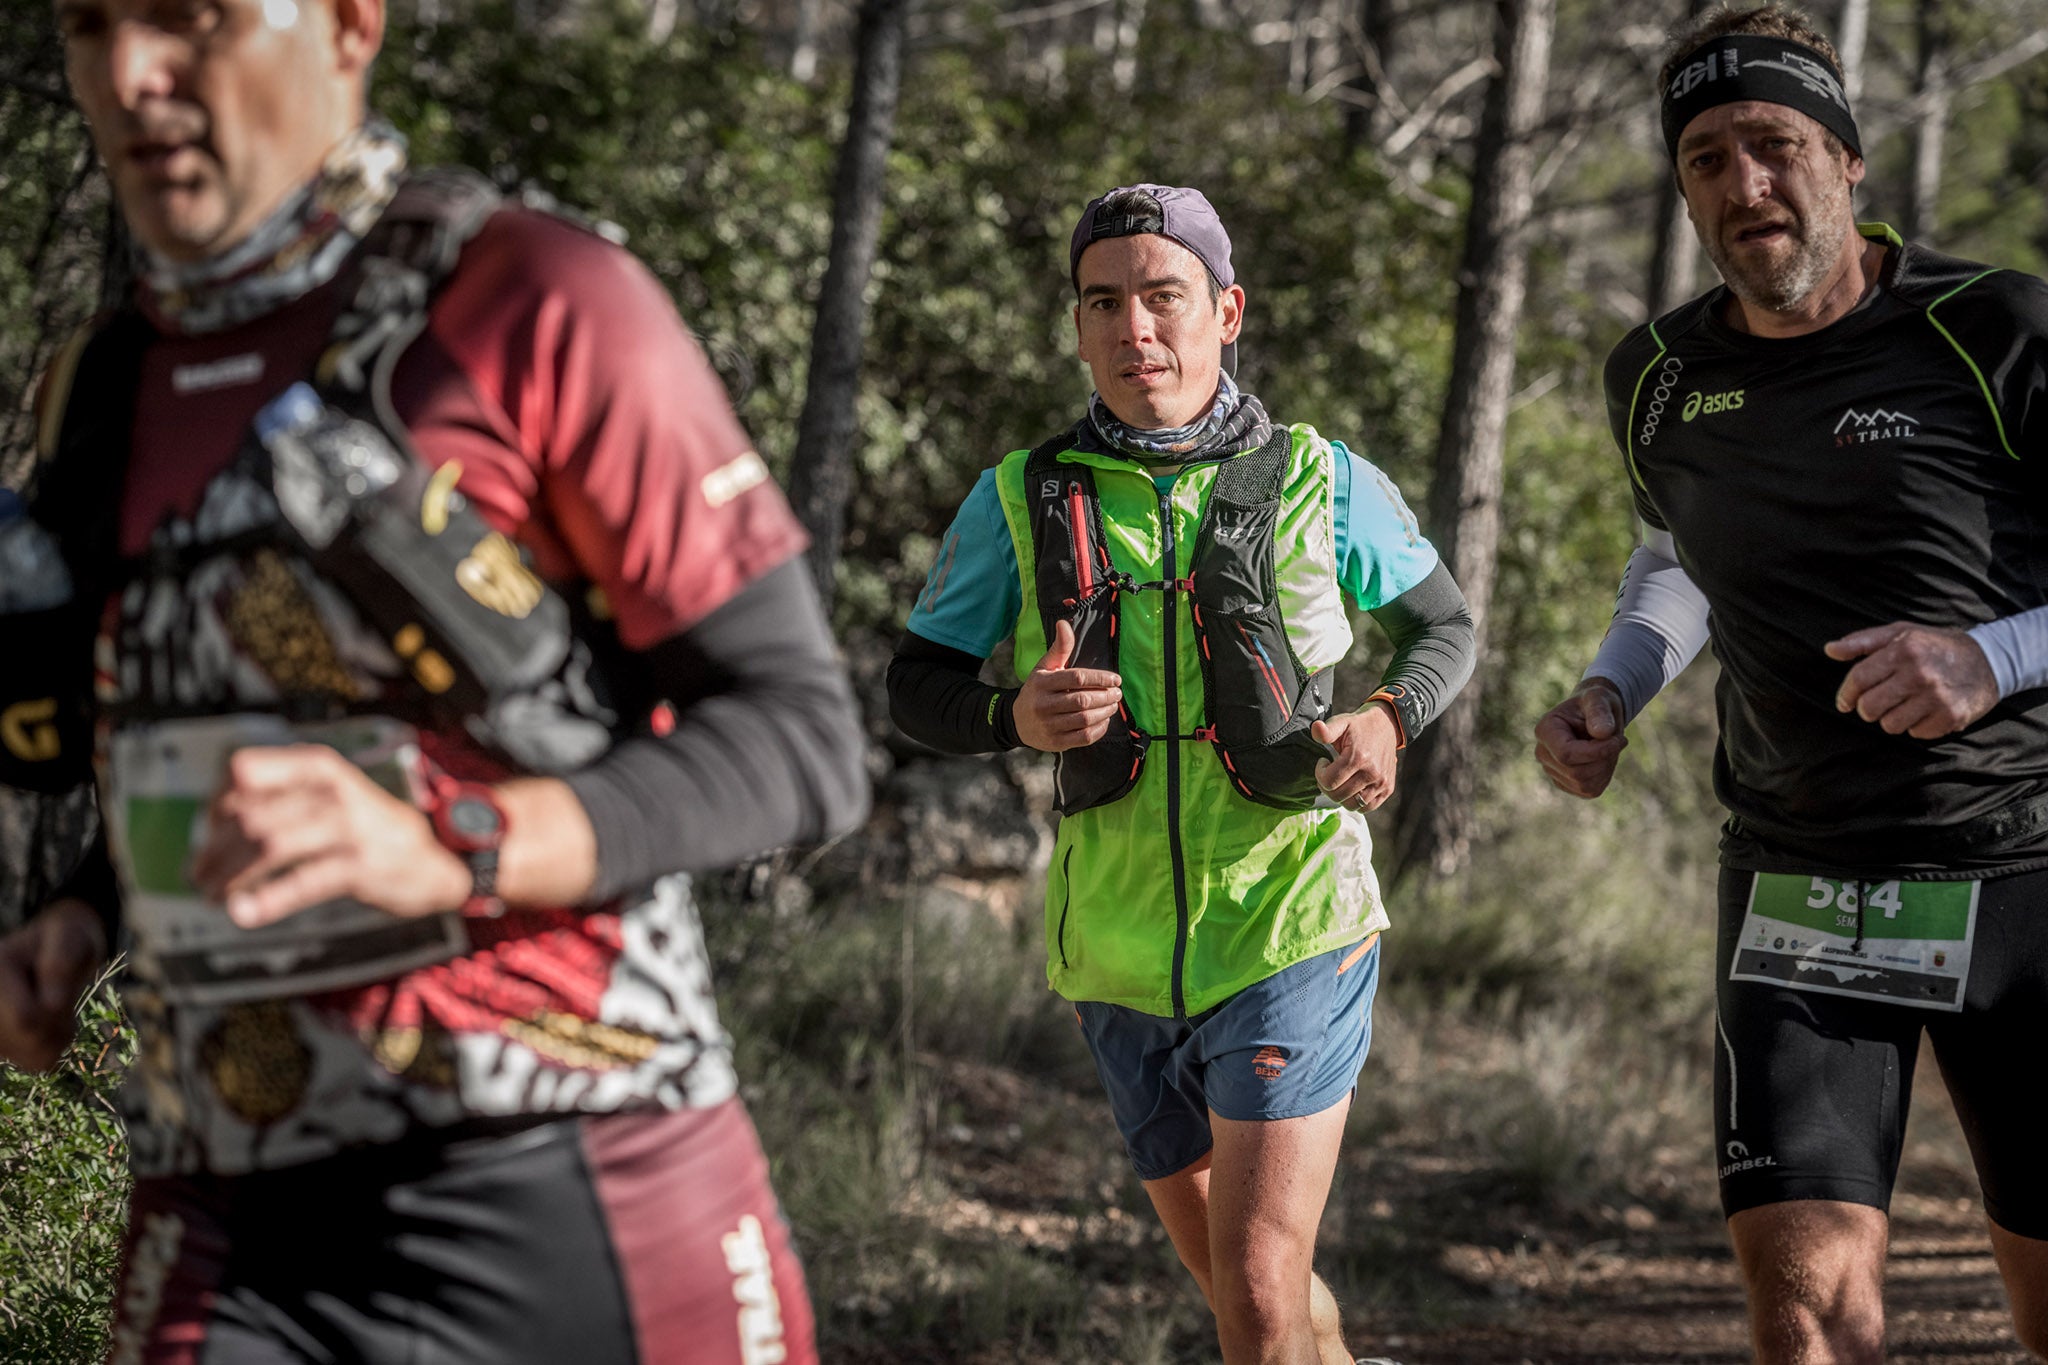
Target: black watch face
[474, 819]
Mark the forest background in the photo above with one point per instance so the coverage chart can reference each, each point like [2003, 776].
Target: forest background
[1445, 213]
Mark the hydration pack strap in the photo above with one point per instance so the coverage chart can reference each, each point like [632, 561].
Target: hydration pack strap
[1257, 475]
[1075, 581]
[404, 258]
[77, 485]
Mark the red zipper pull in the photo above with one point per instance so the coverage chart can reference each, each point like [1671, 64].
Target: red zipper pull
[1077, 515]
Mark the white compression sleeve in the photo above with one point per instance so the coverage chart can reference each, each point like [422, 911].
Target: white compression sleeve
[2017, 647]
[1660, 624]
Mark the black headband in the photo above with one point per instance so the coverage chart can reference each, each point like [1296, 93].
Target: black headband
[1750, 66]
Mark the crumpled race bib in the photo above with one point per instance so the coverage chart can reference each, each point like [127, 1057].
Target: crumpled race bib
[1903, 943]
[158, 780]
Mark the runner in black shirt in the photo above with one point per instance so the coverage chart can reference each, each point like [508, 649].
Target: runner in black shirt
[1880, 466]
[1835, 460]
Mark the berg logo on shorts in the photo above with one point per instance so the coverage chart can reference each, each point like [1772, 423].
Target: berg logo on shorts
[1269, 1062]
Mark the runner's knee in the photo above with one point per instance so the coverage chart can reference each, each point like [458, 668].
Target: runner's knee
[2023, 1265]
[1796, 1337]
[1251, 1314]
[1825, 1306]
[1261, 1297]
[2030, 1325]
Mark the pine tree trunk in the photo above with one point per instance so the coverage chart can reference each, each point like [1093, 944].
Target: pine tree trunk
[1852, 33]
[1440, 786]
[821, 477]
[1674, 261]
[1934, 94]
[803, 56]
[1130, 22]
[1366, 116]
[661, 20]
[1675, 249]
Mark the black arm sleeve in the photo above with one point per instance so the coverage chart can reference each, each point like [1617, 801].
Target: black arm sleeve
[767, 748]
[1434, 651]
[937, 697]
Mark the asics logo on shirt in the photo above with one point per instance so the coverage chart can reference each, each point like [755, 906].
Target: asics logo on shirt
[1707, 404]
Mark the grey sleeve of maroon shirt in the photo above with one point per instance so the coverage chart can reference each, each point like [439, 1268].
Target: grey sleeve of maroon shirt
[768, 746]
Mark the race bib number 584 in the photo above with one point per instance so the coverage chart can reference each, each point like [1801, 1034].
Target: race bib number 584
[1907, 943]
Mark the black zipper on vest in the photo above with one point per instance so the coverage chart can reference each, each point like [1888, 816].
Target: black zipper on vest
[1169, 650]
[1066, 902]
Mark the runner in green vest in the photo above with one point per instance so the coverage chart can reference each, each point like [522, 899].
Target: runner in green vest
[1176, 562]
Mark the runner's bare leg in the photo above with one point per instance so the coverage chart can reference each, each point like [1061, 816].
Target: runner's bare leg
[1182, 1201]
[1815, 1273]
[2023, 1262]
[1261, 1233]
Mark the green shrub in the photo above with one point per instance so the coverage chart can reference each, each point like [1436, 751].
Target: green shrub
[63, 1194]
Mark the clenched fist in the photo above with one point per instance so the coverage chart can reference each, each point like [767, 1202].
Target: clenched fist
[1065, 708]
[1580, 739]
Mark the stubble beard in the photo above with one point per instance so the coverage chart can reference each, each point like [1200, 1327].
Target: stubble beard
[1781, 284]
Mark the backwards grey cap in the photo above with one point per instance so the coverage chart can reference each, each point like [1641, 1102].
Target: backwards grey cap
[1185, 215]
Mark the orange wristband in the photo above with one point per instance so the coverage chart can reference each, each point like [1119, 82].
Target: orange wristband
[1391, 694]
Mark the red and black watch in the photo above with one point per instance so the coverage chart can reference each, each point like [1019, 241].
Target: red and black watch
[470, 823]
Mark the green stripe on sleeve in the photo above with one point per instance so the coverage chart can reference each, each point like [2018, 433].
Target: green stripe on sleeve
[1997, 418]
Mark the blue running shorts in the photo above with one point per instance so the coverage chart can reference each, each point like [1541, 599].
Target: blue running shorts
[1282, 1048]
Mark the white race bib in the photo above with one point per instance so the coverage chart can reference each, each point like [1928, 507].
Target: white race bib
[1903, 943]
[160, 778]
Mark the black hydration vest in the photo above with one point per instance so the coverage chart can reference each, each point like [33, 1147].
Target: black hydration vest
[492, 651]
[1259, 697]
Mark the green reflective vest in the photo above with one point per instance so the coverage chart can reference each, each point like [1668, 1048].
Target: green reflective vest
[1183, 892]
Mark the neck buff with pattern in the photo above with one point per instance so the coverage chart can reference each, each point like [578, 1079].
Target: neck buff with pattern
[1235, 421]
[298, 248]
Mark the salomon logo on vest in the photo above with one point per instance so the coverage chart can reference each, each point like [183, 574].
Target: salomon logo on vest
[1707, 404]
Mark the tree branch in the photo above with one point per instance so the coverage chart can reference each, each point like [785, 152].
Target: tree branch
[1447, 89]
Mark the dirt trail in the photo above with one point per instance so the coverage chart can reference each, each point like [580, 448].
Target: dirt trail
[1668, 1294]
[1670, 1297]
[1443, 1274]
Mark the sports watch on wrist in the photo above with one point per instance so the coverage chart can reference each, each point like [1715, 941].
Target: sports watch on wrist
[470, 823]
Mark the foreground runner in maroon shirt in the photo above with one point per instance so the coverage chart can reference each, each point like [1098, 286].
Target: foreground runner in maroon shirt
[472, 1098]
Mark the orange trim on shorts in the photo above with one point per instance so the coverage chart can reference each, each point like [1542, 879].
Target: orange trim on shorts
[1356, 953]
